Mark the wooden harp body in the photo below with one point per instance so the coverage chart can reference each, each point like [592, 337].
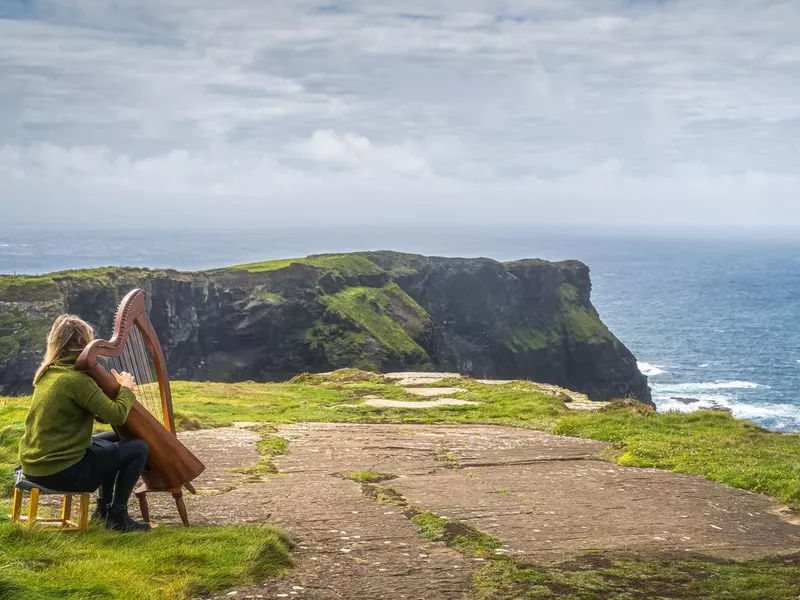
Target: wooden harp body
[134, 347]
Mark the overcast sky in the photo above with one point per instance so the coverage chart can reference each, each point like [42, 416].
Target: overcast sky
[273, 112]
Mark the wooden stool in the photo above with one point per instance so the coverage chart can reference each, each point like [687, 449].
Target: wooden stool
[64, 523]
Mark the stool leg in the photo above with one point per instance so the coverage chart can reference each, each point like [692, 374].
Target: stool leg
[143, 507]
[66, 510]
[16, 508]
[181, 507]
[33, 507]
[83, 520]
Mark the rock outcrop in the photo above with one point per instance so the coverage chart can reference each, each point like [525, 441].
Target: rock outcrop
[376, 310]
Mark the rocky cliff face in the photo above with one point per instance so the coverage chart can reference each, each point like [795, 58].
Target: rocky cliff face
[379, 311]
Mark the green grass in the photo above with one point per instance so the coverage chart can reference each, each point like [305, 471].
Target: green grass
[269, 297]
[610, 576]
[366, 476]
[349, 265]
[456, 534]
[168, 562]
[389, 315]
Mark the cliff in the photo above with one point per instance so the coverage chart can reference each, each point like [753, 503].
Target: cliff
[375, 310]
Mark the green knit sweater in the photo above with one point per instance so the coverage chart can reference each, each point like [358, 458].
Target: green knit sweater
[58, 429]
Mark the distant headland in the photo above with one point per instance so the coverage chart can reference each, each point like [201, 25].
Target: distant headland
[378, 311]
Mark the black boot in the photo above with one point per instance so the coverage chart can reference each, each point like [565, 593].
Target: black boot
[118, 519]
[101, 511]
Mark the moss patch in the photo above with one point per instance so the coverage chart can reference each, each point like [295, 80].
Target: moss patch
[383, 496]
[268, 297]
[268, 447]
[449, 460]
[579, 322]
[584, 325]
[529, 339]
[610, 576]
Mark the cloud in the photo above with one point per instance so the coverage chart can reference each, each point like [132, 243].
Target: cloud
[640, 113]
[357, 152]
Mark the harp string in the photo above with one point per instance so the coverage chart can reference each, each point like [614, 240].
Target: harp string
[146, 375]
[136, 359]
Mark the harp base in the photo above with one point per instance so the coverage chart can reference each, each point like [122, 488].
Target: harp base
[144, 507]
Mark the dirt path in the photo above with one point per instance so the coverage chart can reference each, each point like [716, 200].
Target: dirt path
[544, 496]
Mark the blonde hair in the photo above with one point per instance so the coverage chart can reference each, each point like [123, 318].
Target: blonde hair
[68, 334]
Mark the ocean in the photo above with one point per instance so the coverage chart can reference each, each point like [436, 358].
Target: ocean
[713, 322]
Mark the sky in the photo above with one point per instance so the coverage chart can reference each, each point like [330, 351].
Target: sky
[632, 114]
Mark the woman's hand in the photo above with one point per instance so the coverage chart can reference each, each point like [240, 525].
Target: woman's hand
[125, 379]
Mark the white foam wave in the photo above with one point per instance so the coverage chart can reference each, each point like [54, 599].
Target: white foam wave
[706, 365]
[696, 388]
[704, 400]
[780, 417]
[649, 370]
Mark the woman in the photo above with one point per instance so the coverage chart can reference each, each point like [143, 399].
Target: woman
[58, 451]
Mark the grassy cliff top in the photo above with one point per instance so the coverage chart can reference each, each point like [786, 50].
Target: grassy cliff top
[709, 444]
[346, 264]
[16, 288]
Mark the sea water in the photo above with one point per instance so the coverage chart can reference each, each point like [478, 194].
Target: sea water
[713, 323]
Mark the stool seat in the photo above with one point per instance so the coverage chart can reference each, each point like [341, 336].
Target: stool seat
[26, 485]
[34, 490]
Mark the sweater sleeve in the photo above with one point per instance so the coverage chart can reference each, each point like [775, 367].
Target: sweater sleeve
[113, 411]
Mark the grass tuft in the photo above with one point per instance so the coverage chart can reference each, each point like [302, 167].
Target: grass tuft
[268, 447]
[168, 562]
[367, 476]
[458, 535]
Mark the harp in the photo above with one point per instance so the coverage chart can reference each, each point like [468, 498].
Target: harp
[134, 347]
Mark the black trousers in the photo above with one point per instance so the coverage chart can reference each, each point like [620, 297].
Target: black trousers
[110, 466]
